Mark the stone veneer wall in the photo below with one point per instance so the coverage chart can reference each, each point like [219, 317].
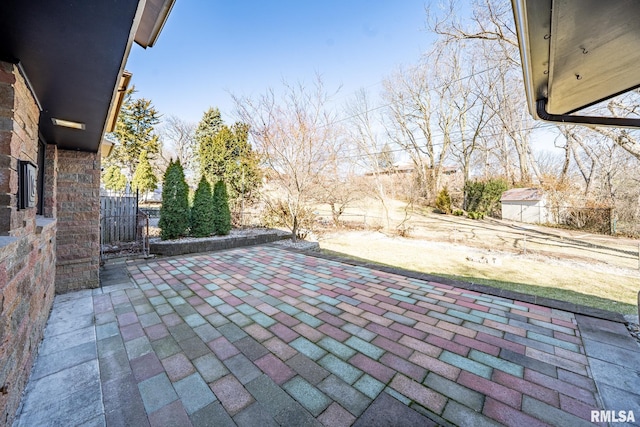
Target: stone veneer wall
[27, 244]
[78, 210]
[50, 181]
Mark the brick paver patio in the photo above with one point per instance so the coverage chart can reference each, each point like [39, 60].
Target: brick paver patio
[266, 336]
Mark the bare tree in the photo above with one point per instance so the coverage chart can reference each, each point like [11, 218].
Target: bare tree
[179, 144]
[490, 32]
[515, 124]
[364, 130]
[463, 113]
[338, 187]
[586, 159]
[420, 121]
[295, 133]
[491, 23]
[627, 106]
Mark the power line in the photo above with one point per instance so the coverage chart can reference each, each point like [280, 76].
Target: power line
[390, 103]
[435, 144]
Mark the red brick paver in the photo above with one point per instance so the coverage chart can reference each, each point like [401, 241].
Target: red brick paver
[428, 344]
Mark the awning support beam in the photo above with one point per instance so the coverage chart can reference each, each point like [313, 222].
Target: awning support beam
[541, 110]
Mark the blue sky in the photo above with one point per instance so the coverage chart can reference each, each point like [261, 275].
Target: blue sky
[211, 48]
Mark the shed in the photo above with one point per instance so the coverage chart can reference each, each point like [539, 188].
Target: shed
[525, 205]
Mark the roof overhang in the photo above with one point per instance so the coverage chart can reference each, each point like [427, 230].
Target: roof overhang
[106, 147]
[154, 16]
[73, 55]
[121, 92]
[576, 53]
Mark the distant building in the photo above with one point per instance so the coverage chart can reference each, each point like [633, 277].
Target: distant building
[525, 205]
[406, 168]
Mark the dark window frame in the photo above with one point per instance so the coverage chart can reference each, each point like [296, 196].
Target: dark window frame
[40, 181]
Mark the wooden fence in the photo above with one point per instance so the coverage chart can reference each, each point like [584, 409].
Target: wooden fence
[118, 219]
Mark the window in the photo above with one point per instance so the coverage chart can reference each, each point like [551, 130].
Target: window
[26, 184]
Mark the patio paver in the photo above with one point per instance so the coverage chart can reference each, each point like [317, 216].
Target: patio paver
[267, 336]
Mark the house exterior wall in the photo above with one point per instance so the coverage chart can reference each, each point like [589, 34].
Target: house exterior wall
[27, 244]
[50, 181]
[78, 210]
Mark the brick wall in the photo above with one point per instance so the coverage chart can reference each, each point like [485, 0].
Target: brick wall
[78, 211]
[19, 117]
[27, 245]
[27, 266]
[50, 186]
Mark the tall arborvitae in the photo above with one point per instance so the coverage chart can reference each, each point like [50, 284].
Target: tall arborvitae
[144, 180]
[135, 131]
[174, 213]
[202, 224]
[222, 215]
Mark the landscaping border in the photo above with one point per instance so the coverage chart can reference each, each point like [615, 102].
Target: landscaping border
[217, 243]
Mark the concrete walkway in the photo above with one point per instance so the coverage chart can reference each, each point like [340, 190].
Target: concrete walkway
[263, 336]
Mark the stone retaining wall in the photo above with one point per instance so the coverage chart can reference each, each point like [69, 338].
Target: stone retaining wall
[181, 247]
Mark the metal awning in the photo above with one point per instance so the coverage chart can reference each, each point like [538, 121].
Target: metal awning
[576, 53]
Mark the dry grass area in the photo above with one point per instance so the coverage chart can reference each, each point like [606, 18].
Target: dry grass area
[593, 270]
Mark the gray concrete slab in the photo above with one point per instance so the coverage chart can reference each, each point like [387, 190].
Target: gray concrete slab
[55, 362]
[614, 359]
[70, 394]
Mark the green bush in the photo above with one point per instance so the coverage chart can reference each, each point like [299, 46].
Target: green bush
[443, 201]
[458, 212]
[202, 224]
[475, 215]
[174, 213]
[484, 196]
[221, 212]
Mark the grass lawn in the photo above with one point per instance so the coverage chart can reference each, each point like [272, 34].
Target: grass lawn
[608, 289]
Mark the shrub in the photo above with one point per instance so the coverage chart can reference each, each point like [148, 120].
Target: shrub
[202, 224]
[475, 215]
[277, 213]
[458, 212]
[174, 213]
[484, 196]
[221, 213]
[443, 201]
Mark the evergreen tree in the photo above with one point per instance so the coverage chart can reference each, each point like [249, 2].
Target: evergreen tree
[385, 158]
[202, 219]
[242, 172]
[443, 201]
[174, 213]
[114, 179]
[144, 180]
[214, 154]
[221, 213]
[135, 131]
[210, 124]
[225, 154]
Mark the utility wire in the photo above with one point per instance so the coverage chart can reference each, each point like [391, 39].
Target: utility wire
[435, 144]
[388, 104]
